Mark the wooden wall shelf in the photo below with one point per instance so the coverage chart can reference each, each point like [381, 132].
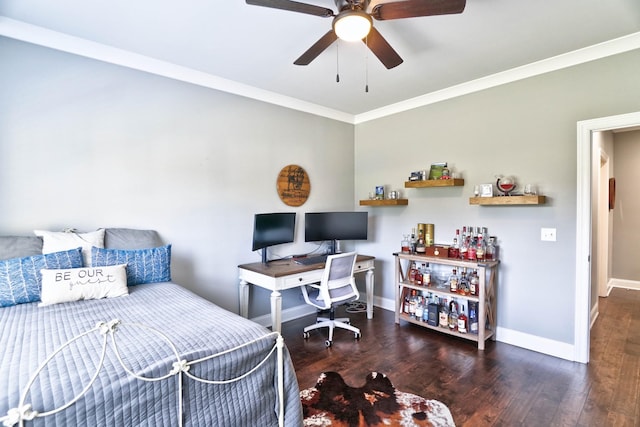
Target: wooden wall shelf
[385, 202]
[508, 200]
[458, 182]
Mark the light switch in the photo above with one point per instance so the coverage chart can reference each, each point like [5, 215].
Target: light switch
[548, 234]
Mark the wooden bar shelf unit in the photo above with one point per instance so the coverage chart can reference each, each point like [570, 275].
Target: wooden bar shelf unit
[508, 200]
[486, 298]
[454, 182]
[385, 202]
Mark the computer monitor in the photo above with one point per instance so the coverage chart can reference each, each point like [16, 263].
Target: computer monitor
[270, 229]
[334, 226]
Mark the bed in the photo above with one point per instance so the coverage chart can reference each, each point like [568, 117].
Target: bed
[158, 356]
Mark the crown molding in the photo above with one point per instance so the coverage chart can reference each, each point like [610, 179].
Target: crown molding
[59, 41]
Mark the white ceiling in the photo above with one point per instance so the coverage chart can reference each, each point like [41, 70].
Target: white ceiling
[227, 41]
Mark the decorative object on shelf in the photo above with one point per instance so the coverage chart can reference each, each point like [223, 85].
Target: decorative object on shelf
[293, 185]
[436, 170]
[486, 190]
[530, 190]
[379, 192]
[505, 184]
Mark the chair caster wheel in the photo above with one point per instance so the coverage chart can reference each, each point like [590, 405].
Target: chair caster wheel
[305, 335]
[357, 335]
[327, 343]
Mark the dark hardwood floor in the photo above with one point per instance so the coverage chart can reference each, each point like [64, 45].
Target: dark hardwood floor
[500, 386]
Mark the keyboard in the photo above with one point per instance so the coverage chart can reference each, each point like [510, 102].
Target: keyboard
[319, 259]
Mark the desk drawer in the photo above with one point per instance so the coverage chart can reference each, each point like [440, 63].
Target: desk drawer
[303, 278]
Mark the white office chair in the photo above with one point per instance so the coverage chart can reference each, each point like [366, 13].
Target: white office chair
[337, 286]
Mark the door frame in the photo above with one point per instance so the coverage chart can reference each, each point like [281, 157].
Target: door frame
[582, 306]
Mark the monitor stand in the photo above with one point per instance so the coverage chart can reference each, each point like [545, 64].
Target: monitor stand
[265, 258]
[334, 246]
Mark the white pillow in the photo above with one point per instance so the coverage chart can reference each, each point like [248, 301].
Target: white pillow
[56, 241]
[73, 284]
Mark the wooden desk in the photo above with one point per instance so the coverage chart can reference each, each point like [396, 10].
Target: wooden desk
[286, 274]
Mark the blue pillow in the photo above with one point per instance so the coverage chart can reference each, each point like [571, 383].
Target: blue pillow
[143, 265]
[20, 278]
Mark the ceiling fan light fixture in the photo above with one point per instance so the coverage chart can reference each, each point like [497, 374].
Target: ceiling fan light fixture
[352, 25]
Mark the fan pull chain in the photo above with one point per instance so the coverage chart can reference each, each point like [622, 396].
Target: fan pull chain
[337, 62]
[366, 66]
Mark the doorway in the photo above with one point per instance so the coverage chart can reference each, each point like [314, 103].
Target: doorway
[582, 308]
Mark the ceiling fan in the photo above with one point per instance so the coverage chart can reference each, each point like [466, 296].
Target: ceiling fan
[353, 22]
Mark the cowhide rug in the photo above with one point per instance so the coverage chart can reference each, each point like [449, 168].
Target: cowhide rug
[334, 403]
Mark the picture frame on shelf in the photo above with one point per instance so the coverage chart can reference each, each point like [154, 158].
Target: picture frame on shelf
[486, 190]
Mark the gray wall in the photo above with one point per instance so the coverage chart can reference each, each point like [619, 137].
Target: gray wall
[86, 144]
[526, 128]
[626, 214]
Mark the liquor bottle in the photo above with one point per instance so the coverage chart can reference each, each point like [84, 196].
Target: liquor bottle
[419, 307]
[405, 303]
[464, 247]
[443, 315]
[471, 251]
[462, 321]
[463, 282]
[454, 250]
[420, 246]
[453, 282]
[425, 312]
[404, 244]
[413, 301]
[480, 249]
[490, 253]
[426, 275]
[453, 316]
[474, 283]
[412, 242]
[413, 271]
[473, 319]
[419, 276]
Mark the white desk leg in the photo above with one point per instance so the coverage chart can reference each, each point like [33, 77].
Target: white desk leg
[243, 290]
[276, 311]
[369, 284]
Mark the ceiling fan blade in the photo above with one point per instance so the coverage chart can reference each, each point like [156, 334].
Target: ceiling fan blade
[293, 6]
[382, 49]
[317, 48]
[415, 8]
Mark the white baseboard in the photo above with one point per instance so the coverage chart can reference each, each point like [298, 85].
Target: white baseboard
[287, 314]
[536, 343]
[507, 336]
[625, 284]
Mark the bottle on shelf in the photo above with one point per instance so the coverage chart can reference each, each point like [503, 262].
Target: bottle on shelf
[413, 302]
[474, 283]
[418, 276]
[463, 282]
[464, 247]
[453, 315]
[405, 302]
[412, 242]
[420, 246]
[412, 272]
[491, 251]
[480, 249]
[404, 244]
[473, 318]
[471, 251]
[453, 281]
[426, 274]
[419, 307]
[443, 315]
[462, 321]
[454, 249]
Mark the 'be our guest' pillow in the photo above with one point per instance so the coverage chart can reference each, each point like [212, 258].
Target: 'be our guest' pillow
[143, 265]
[76, 284]
[20, 278]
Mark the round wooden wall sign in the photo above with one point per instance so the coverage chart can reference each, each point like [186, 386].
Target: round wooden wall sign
[293, 185]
